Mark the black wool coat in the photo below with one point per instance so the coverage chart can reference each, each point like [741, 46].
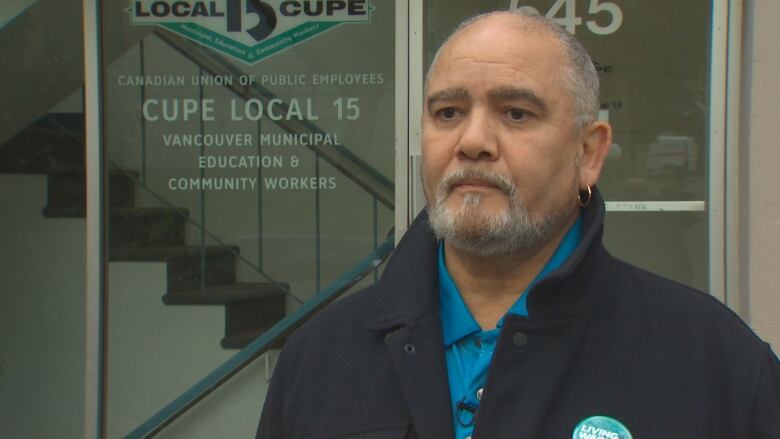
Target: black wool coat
[602, 338]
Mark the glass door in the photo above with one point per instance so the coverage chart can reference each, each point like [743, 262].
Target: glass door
[250, 154]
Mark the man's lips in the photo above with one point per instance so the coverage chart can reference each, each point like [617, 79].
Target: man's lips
[473, 184]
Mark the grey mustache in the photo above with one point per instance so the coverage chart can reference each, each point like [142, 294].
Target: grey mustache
[485, 176]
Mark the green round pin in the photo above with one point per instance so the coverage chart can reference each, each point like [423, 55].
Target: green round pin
[601, 427]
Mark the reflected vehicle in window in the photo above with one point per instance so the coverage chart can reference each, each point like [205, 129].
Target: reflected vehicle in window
[670, 152]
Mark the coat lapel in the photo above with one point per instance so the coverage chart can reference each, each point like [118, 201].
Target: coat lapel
[407, 313]
[417, 350]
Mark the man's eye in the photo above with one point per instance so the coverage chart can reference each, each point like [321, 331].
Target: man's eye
[516, 113]
[447, 113]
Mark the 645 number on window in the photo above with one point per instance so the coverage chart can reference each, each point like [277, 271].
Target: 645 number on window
[564, 12]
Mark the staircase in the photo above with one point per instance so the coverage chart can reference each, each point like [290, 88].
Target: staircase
[196, 275]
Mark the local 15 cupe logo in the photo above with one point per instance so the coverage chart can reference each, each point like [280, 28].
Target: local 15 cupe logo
[249, 30]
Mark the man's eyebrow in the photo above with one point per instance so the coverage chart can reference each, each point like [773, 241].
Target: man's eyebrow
[448, 94]
[522, 94]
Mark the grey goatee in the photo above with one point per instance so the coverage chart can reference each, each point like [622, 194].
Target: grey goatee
[472, 229]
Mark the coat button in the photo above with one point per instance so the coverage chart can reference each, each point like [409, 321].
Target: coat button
[519, 339]
[409, 349]
[479, 394]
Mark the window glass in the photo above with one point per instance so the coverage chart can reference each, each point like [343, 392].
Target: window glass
[251, 154]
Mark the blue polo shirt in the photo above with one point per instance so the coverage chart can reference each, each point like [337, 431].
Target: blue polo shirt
[467, 348]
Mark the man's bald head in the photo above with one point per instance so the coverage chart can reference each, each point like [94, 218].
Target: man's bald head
[579, 73]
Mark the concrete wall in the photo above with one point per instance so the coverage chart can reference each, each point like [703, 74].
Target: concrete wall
[760, 161]
[41, 315]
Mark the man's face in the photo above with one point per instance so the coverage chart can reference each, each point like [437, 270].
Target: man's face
[499, 143]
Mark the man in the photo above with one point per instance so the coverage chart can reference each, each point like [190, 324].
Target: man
[500, 314]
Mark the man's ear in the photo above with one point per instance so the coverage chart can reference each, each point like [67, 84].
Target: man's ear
[595, 142]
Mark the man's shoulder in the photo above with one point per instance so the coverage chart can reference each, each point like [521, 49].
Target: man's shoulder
[679, 309]
[343, 321]
[651, 289]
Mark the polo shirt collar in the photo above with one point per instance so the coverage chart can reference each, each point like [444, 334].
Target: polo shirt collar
[457, 321]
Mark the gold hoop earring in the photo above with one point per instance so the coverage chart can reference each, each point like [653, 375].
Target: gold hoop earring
[587, 200]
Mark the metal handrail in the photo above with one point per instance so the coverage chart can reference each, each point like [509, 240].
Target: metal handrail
[200, 390]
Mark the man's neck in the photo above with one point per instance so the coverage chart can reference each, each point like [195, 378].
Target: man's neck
[490, 285]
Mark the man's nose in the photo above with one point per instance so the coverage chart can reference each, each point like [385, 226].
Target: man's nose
[478, 140]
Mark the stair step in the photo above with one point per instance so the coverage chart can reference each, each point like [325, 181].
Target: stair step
[250, 308]
[163, 254]
[54, 140]
[143, 227]
[184, 264]
[240, 341]
[67, 191]
[224, 294]
[248, 319]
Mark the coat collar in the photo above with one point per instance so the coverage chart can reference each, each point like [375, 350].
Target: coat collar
[409, 284]
[574, 287]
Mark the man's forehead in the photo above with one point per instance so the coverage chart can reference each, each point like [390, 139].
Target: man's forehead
[503, 33]
[498, 40]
